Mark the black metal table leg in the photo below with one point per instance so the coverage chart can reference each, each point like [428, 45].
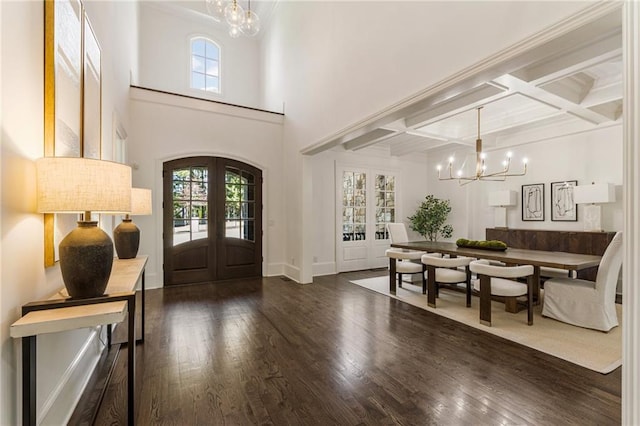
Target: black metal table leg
[131, 361]
[29, 380]
[142, 310]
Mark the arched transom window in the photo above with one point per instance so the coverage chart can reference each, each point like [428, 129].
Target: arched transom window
[205, 65]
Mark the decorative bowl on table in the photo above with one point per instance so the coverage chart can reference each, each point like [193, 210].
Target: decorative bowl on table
[482, 245]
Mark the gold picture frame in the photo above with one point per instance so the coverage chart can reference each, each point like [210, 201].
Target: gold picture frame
[65, 114]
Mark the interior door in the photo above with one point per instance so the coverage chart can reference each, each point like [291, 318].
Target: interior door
[366, 201]
[212, 220]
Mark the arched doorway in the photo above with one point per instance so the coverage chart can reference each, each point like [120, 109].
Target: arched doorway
[212, 220]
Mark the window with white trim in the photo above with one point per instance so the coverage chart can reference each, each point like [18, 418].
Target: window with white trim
[205, 65]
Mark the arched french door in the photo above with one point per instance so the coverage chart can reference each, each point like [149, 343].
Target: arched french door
[212, 220]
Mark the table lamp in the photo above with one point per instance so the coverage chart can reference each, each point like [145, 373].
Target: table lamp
[500, 200]
[126, 236]
[590, 195]
[83, 185]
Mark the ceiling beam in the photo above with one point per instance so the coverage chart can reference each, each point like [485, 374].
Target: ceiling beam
[369, 138]
[551, 128]
[551, 99]
[464, 101]
[565, 64]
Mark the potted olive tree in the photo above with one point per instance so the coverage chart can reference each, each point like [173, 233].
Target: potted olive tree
[429, 220]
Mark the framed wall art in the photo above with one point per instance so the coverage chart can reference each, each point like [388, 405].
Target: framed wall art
[62, 102]
[72, 100]
[533, 202]
[563, 208]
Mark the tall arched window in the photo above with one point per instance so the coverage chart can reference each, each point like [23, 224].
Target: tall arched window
[205, 65]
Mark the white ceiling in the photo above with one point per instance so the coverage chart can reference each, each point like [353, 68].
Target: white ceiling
[568, 86]
[197, 9]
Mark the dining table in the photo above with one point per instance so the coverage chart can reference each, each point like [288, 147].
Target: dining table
[509, 256]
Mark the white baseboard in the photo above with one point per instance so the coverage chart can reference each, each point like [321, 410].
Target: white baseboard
[274, 269]
[292, 272]
[61, 402]
[324, 268]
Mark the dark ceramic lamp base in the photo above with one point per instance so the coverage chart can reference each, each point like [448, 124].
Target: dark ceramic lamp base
[126, 237]
[86, 258]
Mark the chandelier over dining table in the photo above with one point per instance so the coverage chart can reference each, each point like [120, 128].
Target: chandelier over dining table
[481, 172]
[239, 21]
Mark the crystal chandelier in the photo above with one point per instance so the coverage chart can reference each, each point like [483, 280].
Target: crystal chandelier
[239, 21]
[481, 168]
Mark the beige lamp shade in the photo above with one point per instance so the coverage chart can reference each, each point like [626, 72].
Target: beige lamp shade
[140, 202]
[76, 185]
[503, 198]
[595, 193]
[592, 195]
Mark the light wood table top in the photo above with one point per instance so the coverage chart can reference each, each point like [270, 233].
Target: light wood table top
[124, 277]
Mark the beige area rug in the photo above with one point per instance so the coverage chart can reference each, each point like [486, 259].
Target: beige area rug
[595, 350]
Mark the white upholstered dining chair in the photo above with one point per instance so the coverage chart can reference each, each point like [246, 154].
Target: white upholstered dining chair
[404, 265]
[500, 281]
[404, 259]
[587, 303]
[441, 270]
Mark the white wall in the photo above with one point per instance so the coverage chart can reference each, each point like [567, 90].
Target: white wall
[65, 359]
[165, 127]
[594, 156]
[165, 57]
[336, 63]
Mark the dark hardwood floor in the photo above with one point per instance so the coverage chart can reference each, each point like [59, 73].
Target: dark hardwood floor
[270, 351]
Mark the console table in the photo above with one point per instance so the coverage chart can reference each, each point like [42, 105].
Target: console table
[580, 242]
[62, 313]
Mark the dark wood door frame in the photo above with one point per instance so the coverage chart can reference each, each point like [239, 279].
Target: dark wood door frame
[217, 256]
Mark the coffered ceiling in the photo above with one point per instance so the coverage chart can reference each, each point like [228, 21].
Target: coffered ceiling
[568, 86]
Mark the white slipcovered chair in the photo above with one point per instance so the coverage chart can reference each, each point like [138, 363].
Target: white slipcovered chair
[398, 234]
[441, 270]
[587, 303]
[500, 281]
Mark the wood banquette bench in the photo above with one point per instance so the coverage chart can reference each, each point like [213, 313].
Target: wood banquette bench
[568, 241]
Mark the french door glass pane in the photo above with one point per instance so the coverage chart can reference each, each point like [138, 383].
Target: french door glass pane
[199, 228]
[181, 174]
[199, 173]
[354, 194]
[240, 209]
[248, 230]
[181, 210]
[232, 229]
[190, 196]
[199, 191]
[385, 204]
[181, 190]
[391, 183]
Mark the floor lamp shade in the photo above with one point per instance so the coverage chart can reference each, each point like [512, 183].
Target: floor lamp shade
[82, 185]
[126, 236]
